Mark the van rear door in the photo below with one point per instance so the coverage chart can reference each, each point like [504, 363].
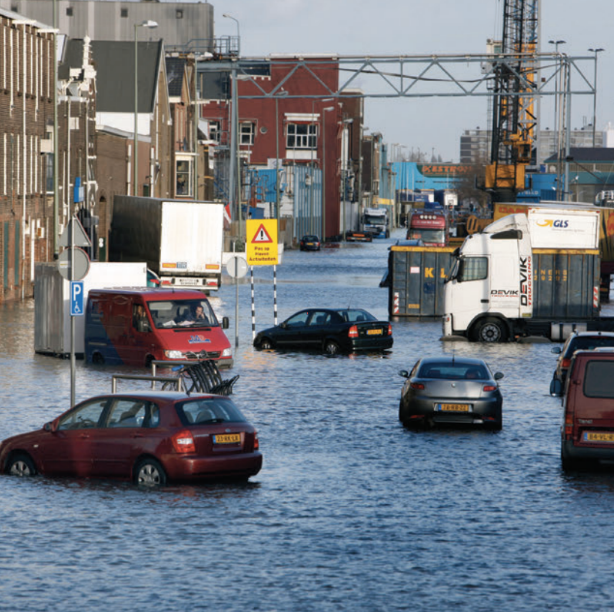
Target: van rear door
[590, 399]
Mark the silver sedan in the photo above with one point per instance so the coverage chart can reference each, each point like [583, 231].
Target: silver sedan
[451, 391]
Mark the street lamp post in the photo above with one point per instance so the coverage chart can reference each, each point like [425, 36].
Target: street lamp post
[595, 51]
[557, 129]
[324, 111]
[234, 171]
[228, 16]
[144, 24]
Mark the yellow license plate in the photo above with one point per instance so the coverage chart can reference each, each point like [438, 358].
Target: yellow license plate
[374, 332]
[591, 436]
[227, 438]
[452, 407]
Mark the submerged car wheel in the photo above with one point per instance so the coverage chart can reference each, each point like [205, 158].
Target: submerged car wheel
[491, 330]
[331, 347]
[149, 473]
[266, 344]
[20, 465]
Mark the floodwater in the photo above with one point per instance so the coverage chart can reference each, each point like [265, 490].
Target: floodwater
[350, 511]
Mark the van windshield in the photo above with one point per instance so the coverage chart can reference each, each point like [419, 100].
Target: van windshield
[182, 313]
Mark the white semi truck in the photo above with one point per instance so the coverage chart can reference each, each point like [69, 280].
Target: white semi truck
[376, 222]
[534, 274]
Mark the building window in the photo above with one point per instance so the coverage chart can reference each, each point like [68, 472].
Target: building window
[69, 11]
[184, 178]
[246, 133]
[302, 136]
[49, 173]
[215, 129]
[179, 13]
[123, 12]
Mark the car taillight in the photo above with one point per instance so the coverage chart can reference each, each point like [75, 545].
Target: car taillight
[568, 426]
[565, 363]
[389, 329]
[490, 387]
[256, 441]
[183, 442]
[418, 386]
[353, 333]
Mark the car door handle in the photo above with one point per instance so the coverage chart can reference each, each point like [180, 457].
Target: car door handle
[484, 301]
[138, 435]
[84, 436]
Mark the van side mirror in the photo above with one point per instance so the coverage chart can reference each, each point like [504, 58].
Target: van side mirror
[499, 375]
[404, 373]
[557, 350]
[556, 387]
[225, 323]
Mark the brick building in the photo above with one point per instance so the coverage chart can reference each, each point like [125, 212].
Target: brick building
[26, 122]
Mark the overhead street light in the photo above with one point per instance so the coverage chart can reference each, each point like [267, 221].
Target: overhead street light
[557, 129]
[228, 16]
[595, 51]
[145, 24]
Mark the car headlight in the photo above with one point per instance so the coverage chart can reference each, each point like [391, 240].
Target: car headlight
[227, 352]
[173, 354]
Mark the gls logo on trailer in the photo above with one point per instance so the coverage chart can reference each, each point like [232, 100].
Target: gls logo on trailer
[558, 223]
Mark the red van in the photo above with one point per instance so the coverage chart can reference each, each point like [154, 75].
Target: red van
[138, 326]
[587, 433]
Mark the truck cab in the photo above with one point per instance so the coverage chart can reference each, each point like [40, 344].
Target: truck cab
[431, 227]
[490, 282]
[375, 222]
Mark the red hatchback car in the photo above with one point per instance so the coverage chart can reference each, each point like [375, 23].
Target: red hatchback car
[148, 437]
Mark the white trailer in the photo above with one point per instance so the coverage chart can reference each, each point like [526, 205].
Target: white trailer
[181, 241]
[52, 302]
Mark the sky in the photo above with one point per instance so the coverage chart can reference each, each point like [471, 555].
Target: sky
[417, 27]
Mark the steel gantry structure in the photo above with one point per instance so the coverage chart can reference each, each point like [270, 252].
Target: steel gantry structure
[501, 74]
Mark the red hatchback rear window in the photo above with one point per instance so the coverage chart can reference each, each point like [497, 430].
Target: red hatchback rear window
[209, 411]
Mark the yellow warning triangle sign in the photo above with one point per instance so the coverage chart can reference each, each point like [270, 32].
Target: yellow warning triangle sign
[262, 235]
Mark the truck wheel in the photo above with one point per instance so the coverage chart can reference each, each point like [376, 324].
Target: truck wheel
[491, 330]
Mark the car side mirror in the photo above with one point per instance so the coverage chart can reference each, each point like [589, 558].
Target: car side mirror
[404, 373]
[49, 426]
[499, 375]
[557, 350]
[283, 325]
[556, 387]
[225, 323]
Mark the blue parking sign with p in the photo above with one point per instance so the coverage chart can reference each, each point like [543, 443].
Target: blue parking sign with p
[76, 298]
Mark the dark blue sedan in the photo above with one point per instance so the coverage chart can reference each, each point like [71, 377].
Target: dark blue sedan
[330, 330]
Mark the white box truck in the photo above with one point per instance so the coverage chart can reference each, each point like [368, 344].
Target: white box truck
[534, 274]
[181, 241]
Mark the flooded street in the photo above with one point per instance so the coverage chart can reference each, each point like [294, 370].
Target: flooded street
[350, 511]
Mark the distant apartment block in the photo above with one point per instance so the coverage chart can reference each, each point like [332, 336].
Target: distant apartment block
[475, 144]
